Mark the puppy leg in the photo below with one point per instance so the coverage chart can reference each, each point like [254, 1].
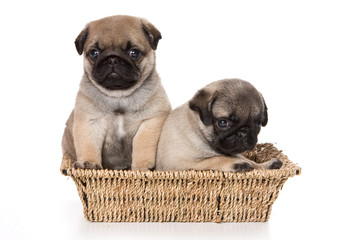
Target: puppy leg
[145, 143]
[67, 142]
[235, 164]
[274, 163]
[223, 163]
[88, 144]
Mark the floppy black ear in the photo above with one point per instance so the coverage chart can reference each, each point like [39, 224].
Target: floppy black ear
[152, 33]
[265, 115]
[80, 40]
[202, 103]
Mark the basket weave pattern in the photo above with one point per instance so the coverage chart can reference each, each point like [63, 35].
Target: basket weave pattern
[182, 196]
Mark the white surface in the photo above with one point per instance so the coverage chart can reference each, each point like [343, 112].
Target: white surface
[303, 56]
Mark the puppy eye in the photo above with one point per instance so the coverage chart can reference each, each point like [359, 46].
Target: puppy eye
[94, 53]
[134, 54]
[223, 124]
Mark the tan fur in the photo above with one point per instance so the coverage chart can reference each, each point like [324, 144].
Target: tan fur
[104, 118]
[145, 143]
[225, 163]
[184, 141]
[181, 145]
[217, 163]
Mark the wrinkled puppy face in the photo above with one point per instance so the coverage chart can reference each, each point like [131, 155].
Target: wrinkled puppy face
[118, 51]
[232, 112]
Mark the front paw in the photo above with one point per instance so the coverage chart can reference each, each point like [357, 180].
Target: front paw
[143, 164]
[275, 164]
[143, 168]
[87, 165]
[243, 167]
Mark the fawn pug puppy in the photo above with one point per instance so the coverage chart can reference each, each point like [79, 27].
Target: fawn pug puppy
[121, 104]
[211, 131]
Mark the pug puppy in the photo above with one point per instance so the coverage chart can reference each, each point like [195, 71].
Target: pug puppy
[121, 104]
[211, 131]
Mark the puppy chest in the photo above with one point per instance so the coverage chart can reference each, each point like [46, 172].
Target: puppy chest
[117, 148]
[119, 130]
[119, 127]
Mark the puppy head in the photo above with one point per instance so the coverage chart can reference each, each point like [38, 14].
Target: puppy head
[119, 52]
[231, 113]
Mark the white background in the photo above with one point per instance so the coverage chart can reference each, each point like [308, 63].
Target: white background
[304, 56]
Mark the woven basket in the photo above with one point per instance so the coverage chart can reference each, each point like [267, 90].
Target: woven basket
[182, 196]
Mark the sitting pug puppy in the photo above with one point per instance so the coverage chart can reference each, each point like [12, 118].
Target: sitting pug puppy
[211, 131]
[121, 104]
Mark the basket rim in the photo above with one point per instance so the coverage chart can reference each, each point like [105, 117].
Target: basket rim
[289, 169]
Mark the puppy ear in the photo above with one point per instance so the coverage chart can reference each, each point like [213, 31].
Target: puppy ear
[152, 33]
[80, 40]
[202, 103]
[265, 114]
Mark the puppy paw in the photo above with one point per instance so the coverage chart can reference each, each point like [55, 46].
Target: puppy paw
[143, 164]
[143, 168]
[275, 164]
[243, 167]
[87, 165]
[122, 168]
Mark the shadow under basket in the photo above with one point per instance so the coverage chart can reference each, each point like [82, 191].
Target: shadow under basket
[182, 196]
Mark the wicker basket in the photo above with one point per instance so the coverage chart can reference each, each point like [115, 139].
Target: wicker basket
[182, 196]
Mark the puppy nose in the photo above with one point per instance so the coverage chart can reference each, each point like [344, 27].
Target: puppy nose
[113, 61]
[241, 134]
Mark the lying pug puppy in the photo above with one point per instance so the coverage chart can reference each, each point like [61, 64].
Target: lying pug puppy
[121, 104]
[211, 131]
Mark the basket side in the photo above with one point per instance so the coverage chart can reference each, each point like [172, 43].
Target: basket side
[248, 200]
[149, 200]
[66, 164]
[81, 183]
[249, 197]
